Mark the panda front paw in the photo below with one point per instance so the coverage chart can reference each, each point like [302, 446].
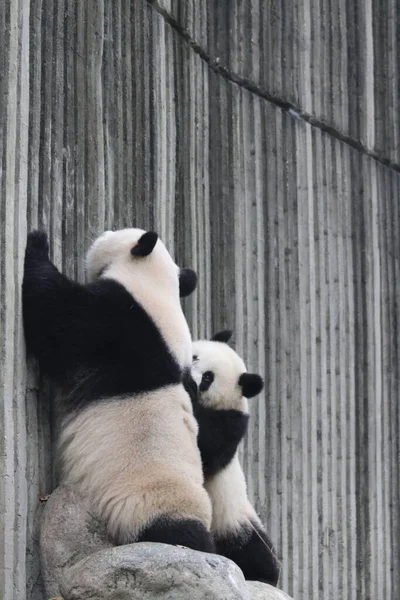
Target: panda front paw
[38, 241]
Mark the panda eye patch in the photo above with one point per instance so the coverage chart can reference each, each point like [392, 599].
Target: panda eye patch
[206, 381]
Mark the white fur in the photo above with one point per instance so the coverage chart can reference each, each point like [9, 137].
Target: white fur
[225, 391]
[137, 458]
[228, 492]
[152, 280]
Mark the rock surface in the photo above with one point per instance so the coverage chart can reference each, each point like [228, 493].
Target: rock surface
[262, 591]
[68, 533]
[153, 571]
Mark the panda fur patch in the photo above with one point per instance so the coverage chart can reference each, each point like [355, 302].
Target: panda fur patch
[221, 409]
[117, 349]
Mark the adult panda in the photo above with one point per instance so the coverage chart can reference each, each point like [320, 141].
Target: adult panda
[116, 349]
[221, 408]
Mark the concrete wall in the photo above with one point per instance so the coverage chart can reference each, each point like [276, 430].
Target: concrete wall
[261, 139]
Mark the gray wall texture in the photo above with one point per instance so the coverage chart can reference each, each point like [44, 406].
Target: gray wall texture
[261, 139]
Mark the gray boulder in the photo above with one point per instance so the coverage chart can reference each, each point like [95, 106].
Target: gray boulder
[148, 571]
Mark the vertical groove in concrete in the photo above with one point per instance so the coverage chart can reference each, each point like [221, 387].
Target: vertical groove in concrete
[110, 118]
[14, 26]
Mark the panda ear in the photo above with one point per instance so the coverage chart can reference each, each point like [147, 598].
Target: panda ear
[251, 384]
[145, 245]
[222, 336]
[187, 282]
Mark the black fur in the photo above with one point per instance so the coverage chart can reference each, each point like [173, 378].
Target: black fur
[190, 385]
[182, 532]
[91, 340]
[187, 282]
[256, 557]
[222, 336]
[206, 381]
[145, 245]
[251, 384]
[220, 433]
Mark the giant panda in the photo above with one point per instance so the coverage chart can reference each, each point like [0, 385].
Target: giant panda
[117, 349]
[222, 411]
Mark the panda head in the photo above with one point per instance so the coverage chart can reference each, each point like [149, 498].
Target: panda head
[132, 253]
[221, 375]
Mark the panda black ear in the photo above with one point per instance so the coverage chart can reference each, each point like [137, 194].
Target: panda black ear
[251, 384]
[145, 245]
[222, 336]
[187, 282]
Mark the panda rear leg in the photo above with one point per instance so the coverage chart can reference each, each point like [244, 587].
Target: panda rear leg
[178, 532]
[253, 551]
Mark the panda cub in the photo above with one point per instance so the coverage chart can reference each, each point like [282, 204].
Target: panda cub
[221, 409]
[117, 349]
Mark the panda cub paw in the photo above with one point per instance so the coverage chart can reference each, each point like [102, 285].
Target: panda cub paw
[38, 242]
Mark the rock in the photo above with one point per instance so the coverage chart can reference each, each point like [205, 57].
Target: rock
[148, 571]
[68, 533]
[263, 591]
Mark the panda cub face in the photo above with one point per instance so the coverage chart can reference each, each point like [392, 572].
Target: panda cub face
[135, 253]
[221, 377]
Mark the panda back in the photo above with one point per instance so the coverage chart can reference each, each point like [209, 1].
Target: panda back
[136, 457]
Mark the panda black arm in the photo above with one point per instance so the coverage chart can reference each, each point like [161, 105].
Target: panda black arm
[43, 288]
[51, 307]
[64, 321]
[220, 432]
